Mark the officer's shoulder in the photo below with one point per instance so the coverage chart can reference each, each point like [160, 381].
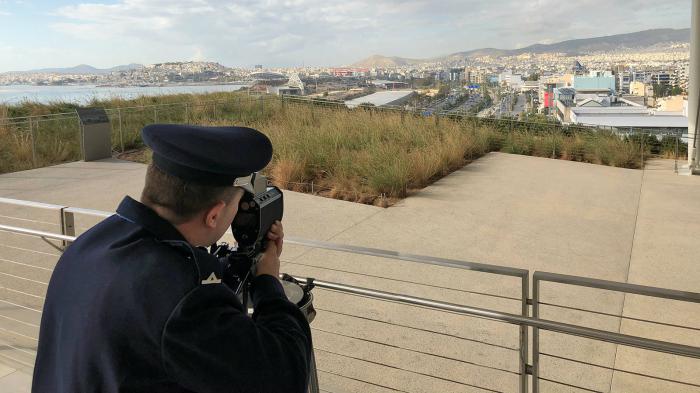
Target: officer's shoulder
[117, 239]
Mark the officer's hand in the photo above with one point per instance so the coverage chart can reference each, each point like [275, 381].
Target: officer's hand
[270, 261]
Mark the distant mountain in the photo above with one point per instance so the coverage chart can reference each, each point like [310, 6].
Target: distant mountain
[85, 69]
[127, 67]
[384, 62]
[639, 40]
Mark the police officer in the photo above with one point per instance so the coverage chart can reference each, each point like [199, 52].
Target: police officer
[136, 304]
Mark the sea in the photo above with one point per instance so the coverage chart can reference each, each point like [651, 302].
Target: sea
[82, 94]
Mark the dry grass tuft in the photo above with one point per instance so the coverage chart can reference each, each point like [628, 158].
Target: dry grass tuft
[363, 155]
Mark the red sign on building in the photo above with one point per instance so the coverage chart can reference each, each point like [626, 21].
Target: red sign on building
[548, 99]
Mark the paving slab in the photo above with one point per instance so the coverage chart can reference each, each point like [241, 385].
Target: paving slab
[524, 212]
[16, 382]
[665, 254]
[6, 370]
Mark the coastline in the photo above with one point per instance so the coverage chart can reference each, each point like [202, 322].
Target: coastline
[85, 93]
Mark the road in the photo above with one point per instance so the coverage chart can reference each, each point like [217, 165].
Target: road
[502, 107]
[519, 106]
[467, 105]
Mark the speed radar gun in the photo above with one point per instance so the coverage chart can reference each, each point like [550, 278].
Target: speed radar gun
[259, 208]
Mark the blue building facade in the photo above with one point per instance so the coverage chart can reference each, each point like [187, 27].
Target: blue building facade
[594, 83]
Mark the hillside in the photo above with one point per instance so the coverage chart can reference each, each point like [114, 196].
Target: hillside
[386, 62]
[84, 69]
[638, 41]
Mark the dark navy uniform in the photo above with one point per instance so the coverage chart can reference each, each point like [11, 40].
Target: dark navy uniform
[133, 307]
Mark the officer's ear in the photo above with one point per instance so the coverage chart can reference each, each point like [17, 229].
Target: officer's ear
[214, 214]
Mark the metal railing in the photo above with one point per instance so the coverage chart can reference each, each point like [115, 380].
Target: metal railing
[541, 138]
[521, 274]
[53, 138]
[627, 288]
[523, 320]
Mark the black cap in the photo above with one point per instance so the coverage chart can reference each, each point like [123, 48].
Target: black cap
[213, 156]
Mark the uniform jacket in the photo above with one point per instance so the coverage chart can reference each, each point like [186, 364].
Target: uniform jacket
[132, 307]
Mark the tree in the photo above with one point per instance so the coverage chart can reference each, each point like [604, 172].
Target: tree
[661, 90]
[443, 91]
[423, 82]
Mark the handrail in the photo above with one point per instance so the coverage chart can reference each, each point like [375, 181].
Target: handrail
[617, 286]
[462, 115]
[89, 212]
[33, 232]
[523, 320]
[580, 331]
[321, 102]
[453, 263]
[68, 228]
[539, 277]
[72, 114]
[40, 205]
[37, 116]
[559, 327]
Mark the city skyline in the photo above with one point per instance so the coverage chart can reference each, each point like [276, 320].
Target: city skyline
[303, 32]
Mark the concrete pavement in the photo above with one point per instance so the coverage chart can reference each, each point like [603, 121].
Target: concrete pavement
[525, 212]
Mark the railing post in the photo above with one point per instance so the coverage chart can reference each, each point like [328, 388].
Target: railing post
[67, 224]
[121, 132]
[535, 335]
[313, 375]
[523, 334]
[554, 141]
[31, 136]
[80, 136]
[675, 163]
[642, 150]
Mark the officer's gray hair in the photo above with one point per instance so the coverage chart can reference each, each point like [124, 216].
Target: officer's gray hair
[182, 198]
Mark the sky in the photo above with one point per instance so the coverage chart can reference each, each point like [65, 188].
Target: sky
[290, 33]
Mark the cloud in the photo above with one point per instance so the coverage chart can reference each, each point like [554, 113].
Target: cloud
[250, 28]
[190, 21]
[3, 12]
[333, 31]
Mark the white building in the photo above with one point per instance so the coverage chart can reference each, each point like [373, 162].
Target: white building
[625, 117]
[391, 97]
[509, 79]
